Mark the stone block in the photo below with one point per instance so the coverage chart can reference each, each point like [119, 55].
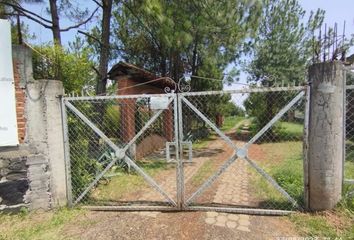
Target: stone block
[16, 175]
[12, 192]
[18, 164]
[4, 163]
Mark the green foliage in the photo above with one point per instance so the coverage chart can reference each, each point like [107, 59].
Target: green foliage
[174, 38]
[231, 109]
[74, 66]
[283, 45]
[289, 131]
[289, 175]
[83, 168]
[111, 121]
[281, 53]
[347, 202]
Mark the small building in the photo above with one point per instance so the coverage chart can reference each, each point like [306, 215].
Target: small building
[133, 116]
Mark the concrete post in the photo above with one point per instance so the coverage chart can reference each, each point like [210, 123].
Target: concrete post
[47, 175]
[326, 136]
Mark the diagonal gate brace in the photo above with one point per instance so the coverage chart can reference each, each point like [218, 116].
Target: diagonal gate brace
[120, 152]
[224, 167]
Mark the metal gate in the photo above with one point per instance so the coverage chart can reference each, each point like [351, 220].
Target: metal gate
[229, 151]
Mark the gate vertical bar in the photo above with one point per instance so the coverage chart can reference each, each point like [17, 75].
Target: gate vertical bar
[180, 165]
[66, 153]
[175, 117]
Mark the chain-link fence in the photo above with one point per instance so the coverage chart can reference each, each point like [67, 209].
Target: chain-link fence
[349, 130]
[117, 149]
[240, 148]
[248, 146]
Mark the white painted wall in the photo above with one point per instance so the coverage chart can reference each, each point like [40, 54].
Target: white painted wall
[8, 121]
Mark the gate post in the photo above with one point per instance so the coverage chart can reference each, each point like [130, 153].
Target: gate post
[324, 170]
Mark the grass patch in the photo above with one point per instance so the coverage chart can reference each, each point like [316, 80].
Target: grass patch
[283, 162]
[125, 183]
[34, 225]
[313, 225]
[349, 170]
[289, 131]
[203, 172]
[230, 122]
[335, 224]
[282, 131]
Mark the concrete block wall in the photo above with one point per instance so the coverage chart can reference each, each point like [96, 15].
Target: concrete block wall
[33, 174]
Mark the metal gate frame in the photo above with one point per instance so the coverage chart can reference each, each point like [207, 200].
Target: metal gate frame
[240, 152]
[120, 153]
[182, 204]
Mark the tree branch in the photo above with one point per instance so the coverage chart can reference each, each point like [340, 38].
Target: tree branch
[81, 23]
[18, 8]
[99, 4]
[34, 19]
[91, 36]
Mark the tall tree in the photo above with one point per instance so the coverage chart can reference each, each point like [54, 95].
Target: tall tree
[283, 46]
[174, 38]
[281, 52]
[105, 46]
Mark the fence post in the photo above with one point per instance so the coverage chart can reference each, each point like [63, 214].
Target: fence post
[326, 136]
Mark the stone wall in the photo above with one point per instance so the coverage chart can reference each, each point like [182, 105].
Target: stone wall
[13, 177]
[33, 174]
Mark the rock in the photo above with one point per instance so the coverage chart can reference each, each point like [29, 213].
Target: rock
[18, 164]
[12, 192]
[4, 172]
[4, 163]
[18, 175]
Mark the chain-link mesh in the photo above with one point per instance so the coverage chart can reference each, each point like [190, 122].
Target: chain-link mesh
[100, 130]
[222, 134]
[349, 144]
[259, 166]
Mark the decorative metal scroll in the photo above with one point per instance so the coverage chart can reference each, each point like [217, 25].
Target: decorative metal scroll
[181, 86]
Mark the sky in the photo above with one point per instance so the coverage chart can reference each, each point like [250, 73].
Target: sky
[337, 11]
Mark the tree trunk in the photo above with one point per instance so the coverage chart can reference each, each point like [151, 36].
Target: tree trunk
[104, 52]
[55, 20]
[19, 32]
[56, 35]
[100, 107]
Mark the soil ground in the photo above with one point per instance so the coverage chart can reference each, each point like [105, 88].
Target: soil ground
[187, 225]
[97, 225]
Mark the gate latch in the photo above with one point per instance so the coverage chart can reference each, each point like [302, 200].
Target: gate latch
[173, 152]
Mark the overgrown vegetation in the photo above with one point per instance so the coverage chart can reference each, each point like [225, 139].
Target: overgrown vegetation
[35, 226]
[283, 161]
[284, 164]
